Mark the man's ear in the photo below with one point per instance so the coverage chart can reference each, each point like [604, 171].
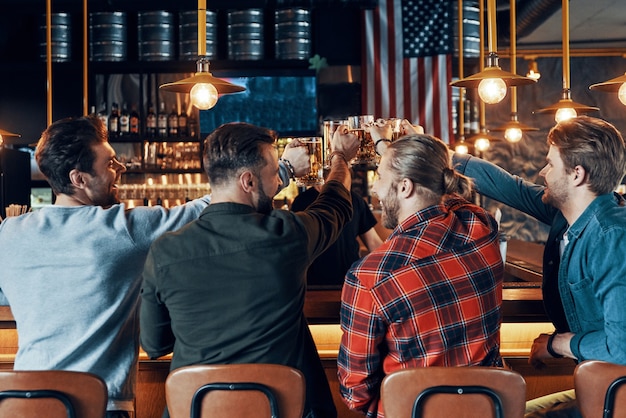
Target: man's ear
[405, 188]
[579, 175]
[247, 181]
[77, 178]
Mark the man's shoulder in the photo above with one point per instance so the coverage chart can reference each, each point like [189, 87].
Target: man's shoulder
[381, 263]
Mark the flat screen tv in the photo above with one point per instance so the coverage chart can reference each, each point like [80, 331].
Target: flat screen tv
[284, 103]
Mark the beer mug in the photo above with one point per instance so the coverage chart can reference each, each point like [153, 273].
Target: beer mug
[366, 155]
[315, 176]
[396, 128]
[328, 130]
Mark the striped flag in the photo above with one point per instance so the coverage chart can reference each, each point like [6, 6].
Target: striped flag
[407, 64]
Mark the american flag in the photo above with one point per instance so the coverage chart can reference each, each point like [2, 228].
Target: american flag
[407, 64]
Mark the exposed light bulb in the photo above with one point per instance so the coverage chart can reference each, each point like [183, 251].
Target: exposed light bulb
[481, 144]
[492, 90]
[513, 135]
[565, 113]
[203, 96]
[621, 93]
[534, 75]
[1, 140]
[533, 70]
[461, 148]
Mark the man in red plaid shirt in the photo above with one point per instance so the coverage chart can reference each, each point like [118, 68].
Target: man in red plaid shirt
[431, 294]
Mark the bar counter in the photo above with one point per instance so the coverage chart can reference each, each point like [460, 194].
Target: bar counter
[524, 319]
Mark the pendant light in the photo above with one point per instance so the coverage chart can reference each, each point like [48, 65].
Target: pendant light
[481, 140]
[566, 108]
[202, 86]
[460, 146]
[513, 129]
[492, 81]
[617, 84]
[5, 134]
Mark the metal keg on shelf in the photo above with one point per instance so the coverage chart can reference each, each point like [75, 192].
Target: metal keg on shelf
[245, 34]
[156, 35]
[188, 35]
[471, 28]
[107, 36]
[292, 29]
[61, 37]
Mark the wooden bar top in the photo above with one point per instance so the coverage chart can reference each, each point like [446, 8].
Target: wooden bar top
[524, 260]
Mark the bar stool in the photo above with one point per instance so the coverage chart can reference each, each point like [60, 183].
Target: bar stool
[235, 391]
[454, 392]
[52, 393]
[599, 389]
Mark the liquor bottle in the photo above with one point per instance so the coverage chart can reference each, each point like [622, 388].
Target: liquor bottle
[151, 122]
[192, 125]
[134, 121]
[182, 122]
[475, 119]
[467, 114]
[114, 120]
[162, 121]
[172, 123]
[102, 115]
[124, 120]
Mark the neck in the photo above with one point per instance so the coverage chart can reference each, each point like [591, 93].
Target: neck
[576, 205]
[69, 200]
[413, 205]
[230, 195]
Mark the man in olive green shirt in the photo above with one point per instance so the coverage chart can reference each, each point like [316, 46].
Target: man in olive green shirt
[229, 287]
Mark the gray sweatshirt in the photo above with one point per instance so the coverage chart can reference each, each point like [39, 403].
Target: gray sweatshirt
[72, 276]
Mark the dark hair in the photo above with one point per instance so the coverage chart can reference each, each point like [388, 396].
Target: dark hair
[66, 145]
[595, 145]
[233, 147]
[425, 161]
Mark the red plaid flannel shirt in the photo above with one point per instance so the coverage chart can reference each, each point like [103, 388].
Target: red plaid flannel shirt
[431, 295]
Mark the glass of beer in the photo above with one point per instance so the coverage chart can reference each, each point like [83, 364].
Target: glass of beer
[315, 176]
[328, 130]
[396, 128]
[366, 155]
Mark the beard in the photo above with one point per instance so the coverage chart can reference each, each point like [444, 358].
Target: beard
[555, 195]
[391, 209]
[105, 198]
[264, 204]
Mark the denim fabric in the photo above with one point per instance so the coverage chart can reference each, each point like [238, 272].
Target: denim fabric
[497, 184]
[591, 282]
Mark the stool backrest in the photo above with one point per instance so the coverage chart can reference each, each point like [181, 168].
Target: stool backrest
[52, 394]
[600, 389]
[453, 392]
[235, 390]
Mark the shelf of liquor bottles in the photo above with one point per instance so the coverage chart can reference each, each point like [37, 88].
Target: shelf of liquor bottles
[167, 190]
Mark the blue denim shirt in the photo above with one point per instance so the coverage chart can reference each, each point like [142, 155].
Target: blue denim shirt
[495, 183]
[592, 282]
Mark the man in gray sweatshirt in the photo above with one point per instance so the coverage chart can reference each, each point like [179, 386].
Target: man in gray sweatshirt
[71, 272]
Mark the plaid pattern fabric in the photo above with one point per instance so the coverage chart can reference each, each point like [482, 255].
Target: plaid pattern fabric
[429, 296]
